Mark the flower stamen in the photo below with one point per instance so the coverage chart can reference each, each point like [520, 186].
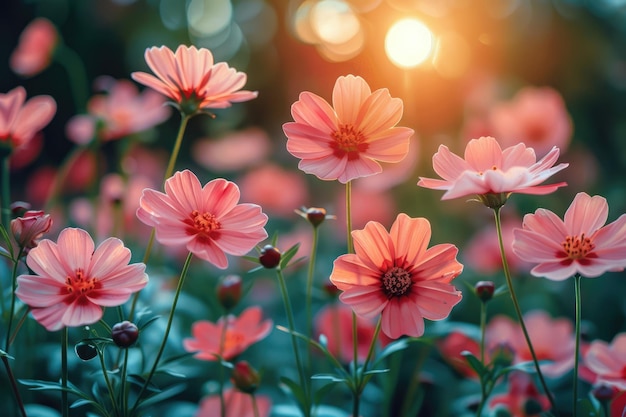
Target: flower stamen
[79, 284]
[348, 140]
[577, 247]
[396, 282]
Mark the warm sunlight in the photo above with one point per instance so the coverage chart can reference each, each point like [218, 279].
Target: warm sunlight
[408, 43]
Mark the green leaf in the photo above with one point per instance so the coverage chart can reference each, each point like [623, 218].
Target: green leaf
[148, 323]
[501, 290]
[81, 402]
[393, 347]
[3, 354]
[163, 395]
[329, 377]
[287, 255]
[295, 389]
[585, 408]
[475, 363]
[375, 371]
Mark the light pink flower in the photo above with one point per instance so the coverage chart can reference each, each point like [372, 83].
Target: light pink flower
[121, 112]
[579, 244]
[521, 391]
[237, 404]
[608, 361]
[232, 152]
[35, 48]
[535, 116]
[73, 281]
[487, 169]
[192, 80]
[207, 220]
[241, 333]
[20, 120]
[345, 141]
[396, 275]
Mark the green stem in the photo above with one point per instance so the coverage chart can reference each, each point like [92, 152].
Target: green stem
[221, 374]
[255, 406]
[483, 389]
[16, 392]
[124, 386]
[64, 403]
[6, 193]
[411, 392]
[518, 311]
[13, 300]
[168, 327]
[309, 294]
[577, 279]
[107, 381]
[73, 64]
[349, 217]
[294, 342]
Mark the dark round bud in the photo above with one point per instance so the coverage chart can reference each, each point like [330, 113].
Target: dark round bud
[18, 208]
[270, 257]
[124, 334]
[85, 351]
[229, 291]
[245, 377]
[485, 290]
[604, 393]
[532, 407]
[316, 215]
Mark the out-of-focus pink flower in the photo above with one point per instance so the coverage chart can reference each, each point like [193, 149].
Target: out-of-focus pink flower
[74, 280]
[20, 120]
[482, 252]
[35, 48]
[27, 152]
[207, 220]
[535, 116]
[29, 229]
[192, 80]
[237, 404]
[345, 141]
[334, 321]
[121, 112]
[367, 205]
[395, 274]
[553, 340]
[578, 244]
[241, 333]
[277, 190]
[233, 152]
[521, 391]
[487, 170]
[618, 405]
[451, 348]
[608, 361]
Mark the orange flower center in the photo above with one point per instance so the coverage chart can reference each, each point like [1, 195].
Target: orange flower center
[577, 247]
[205, 225]
[348, 141]
[79, 284]
[396, 282]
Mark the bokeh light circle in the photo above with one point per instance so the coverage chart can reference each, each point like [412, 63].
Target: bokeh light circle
[408, 43]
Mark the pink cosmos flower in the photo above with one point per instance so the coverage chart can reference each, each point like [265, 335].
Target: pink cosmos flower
[192, 80]
[487, 169]
[20, 120]
[73, 281]
[396, 275]
[579, 244]
[237, 404]
[241, 333]
[345, 141]
[608, 361]
[207, 220]
[521, 391]
[451, 347]
[535, 116]
[28, 229]
[121, 112]
[35, 48]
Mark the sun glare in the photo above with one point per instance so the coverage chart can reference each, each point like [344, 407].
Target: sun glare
[408, 43]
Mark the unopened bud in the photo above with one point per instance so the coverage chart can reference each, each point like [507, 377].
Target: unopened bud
[124, 334]
[245, 377]
[229, 291]
[484, 290]
[270, 257]
[18, 208]
[86, 351]
[28, 229]
[604, 393]
[502, 355]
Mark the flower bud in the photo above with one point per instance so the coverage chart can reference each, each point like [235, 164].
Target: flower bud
[484, 290]
[18, 208]
[270, 257]
[604, 393]
[314, 215]
[502, 355]
[245, 377]
[124, 334]
[28, 229]
[86, 351]
[229, 291]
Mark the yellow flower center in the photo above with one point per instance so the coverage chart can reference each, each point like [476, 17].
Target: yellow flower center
[396, 282]
[79, 284]
[348, 141]
[577, 247]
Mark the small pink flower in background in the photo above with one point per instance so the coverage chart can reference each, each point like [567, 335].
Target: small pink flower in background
[608, 361]
[345, 141]
[30, 228]
[207, 220]
[34, 51]
[20, 120]
[535, 116]
[121, 112]
[74, 280]
[482, 252]
[487, 169]
[578, 244]
[241, 333]
[277, 190]
[451, 348]
[192, 80]
[237, 404]
[553, 340]
[334, 321]
[232, 152]
[27, 152]
[396, 275]
[521, 391]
